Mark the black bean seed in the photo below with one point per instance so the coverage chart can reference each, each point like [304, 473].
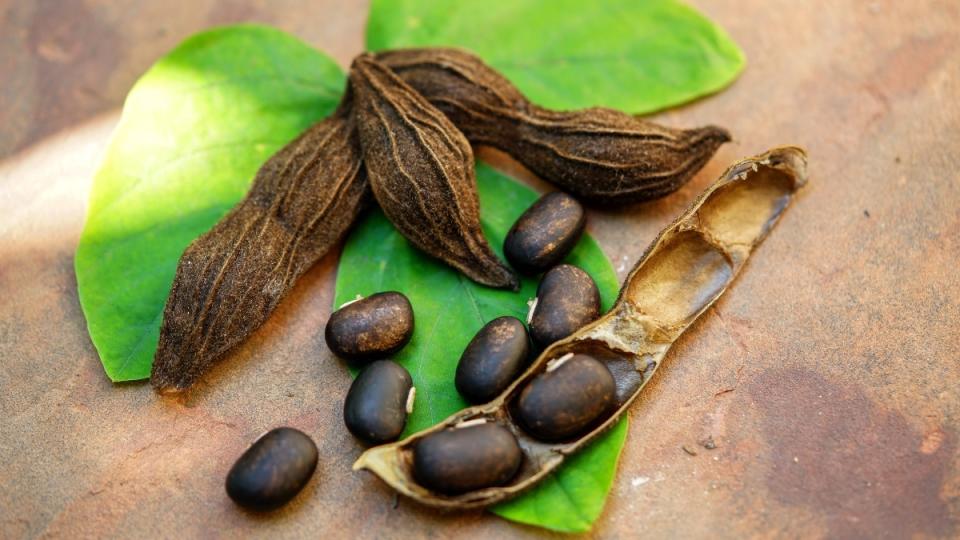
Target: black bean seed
[545, 233]
[567, 300]
[375, 410]
[464, 459]
[370, 328]
[566, 399]
[492, 360]
[273, 470]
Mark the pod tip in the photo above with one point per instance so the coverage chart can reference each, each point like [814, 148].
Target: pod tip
[717, 133]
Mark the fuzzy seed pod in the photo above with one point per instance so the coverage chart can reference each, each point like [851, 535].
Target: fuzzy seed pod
[421, 170]
[230, 280]
[602, 156]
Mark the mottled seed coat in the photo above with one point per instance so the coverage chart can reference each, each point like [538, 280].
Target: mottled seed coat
[370, 328]
[463, 459]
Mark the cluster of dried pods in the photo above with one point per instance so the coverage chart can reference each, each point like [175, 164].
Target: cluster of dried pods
[403, 133]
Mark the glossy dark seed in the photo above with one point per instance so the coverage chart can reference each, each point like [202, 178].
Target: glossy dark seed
[373, 327]
[467, 458]
[492, 360]
[564, 402]
[567, 300]
[375, 410]
[545, 233]
[273, 470]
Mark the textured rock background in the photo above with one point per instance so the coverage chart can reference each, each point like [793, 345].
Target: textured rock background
[827, 377]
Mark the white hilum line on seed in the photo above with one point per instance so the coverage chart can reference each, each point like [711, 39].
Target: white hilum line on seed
[468, 423]
[533, 306]
[557, 362]
[345, 304]
[411, 395]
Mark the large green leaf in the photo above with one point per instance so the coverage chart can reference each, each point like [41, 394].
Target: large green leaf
[450, 309]
[194, 130]
[634, 55]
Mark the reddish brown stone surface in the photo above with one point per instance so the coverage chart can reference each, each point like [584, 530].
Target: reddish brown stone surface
[827, 377]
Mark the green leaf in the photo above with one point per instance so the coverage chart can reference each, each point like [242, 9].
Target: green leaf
[635, 55]
[572, 499]
[194, 130]
[449, 309]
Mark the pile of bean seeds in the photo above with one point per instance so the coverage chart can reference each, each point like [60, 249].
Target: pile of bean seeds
[566, 400]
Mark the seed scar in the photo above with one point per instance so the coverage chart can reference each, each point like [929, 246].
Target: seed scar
[411, 395]
[557, 362]
[471, 422]
[533, 306]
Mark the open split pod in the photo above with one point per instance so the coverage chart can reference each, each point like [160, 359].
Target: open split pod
[682, 273]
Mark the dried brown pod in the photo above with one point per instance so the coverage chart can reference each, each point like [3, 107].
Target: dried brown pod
[378, 402]
[602, 156]
[682, 273]
[229, 280]
[421, 169]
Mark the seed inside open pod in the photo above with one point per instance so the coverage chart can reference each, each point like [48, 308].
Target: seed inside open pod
[378, 402]
[572, 393]
[466, 458]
